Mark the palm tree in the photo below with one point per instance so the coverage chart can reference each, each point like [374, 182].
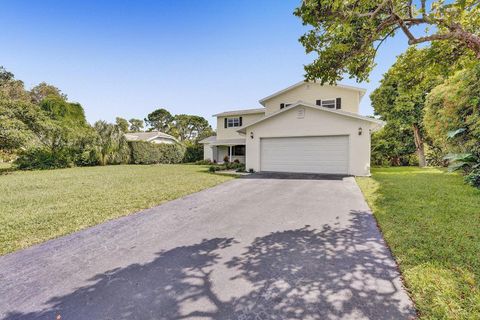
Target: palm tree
[112, 146]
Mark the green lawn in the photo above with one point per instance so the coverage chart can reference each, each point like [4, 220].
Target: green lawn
[431, 221]
[39, 205]
[4, 166]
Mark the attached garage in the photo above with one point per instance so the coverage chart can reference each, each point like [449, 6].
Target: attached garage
[317, 154]
[307, 138]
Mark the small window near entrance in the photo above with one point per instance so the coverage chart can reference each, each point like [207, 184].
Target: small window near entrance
[233, 122]
[238, 151]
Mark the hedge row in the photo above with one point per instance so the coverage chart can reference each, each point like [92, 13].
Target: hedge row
[149, 153]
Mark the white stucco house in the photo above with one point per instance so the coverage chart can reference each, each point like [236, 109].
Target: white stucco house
[305, 128]
[151, 136]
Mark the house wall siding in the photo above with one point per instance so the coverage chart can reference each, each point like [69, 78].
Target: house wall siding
[231, 133]
[311, 92]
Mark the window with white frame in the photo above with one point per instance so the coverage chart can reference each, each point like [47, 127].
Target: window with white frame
[330, 103]
[233, 122]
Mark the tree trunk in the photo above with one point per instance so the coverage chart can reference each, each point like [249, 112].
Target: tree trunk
[419, 145]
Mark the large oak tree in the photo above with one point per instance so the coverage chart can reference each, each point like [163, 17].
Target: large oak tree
[346, 34]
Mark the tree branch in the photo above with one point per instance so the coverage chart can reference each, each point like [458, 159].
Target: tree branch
[376, 11]
[470, 40]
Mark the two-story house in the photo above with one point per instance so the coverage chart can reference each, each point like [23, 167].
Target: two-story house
[307, 127]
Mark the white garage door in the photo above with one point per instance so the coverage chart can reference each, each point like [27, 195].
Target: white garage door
[328, 154]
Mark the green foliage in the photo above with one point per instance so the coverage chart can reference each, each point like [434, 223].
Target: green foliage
[203, 162]
[435, 156]
[393, 145]
[473, 178]
[190, 127]
[43, 90]
[44, 158]
[68, 113]
[237, 166]
[14, 130]
[452, 113]
[122, 124]
[136, 125]
[111, 145]
[185, 127]
[452, 119]
[56, 132]
[345, 35]
[193, 152]
[400, 98]
[10, 88]
[149, 153]
[159, 120]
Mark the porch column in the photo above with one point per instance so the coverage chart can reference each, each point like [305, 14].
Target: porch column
[230, 153]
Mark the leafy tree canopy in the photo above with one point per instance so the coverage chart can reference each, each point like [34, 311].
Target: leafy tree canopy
[159, 120]
[136, 125]
[122, 124]
[10, 88]
[454, 106]
[190, 127]
[42, 90]
[59, 109]
[18, 123]
[346, 34]
[400, 98]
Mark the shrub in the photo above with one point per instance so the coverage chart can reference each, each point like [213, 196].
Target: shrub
[473, 178]
[193, 152]
[393, 145]
[42, 158]
[203, 162]
[239, 167]
[148, 153]
[236, 161]
[226, 159]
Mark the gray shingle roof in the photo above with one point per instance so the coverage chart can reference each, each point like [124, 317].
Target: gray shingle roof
[147, 136]
[240, 112]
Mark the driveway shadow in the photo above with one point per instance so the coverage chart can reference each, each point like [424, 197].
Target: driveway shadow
[294, 176]
[331, 273]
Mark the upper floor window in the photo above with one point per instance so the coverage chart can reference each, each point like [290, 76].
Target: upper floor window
[330, 103]
[233, 122]
[284, 105]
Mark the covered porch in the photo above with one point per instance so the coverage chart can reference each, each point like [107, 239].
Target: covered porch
[218, 150]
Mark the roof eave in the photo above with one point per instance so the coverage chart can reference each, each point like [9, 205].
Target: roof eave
[237, 113]
[379, 123]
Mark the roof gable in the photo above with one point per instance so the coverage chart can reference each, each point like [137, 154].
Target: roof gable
[299, 84]
[380, 123]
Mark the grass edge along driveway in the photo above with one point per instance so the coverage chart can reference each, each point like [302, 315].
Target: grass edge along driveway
[431, 221]
[36, 206]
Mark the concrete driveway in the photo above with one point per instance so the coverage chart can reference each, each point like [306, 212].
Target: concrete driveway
[264, 247]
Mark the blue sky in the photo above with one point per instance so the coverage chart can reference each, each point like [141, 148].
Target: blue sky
[127, 58]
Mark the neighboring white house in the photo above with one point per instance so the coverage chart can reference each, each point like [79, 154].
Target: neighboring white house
[306, 127]
[152, 136]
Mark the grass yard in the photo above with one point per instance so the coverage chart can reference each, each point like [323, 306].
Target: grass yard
[431, 221]
[39, 205]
